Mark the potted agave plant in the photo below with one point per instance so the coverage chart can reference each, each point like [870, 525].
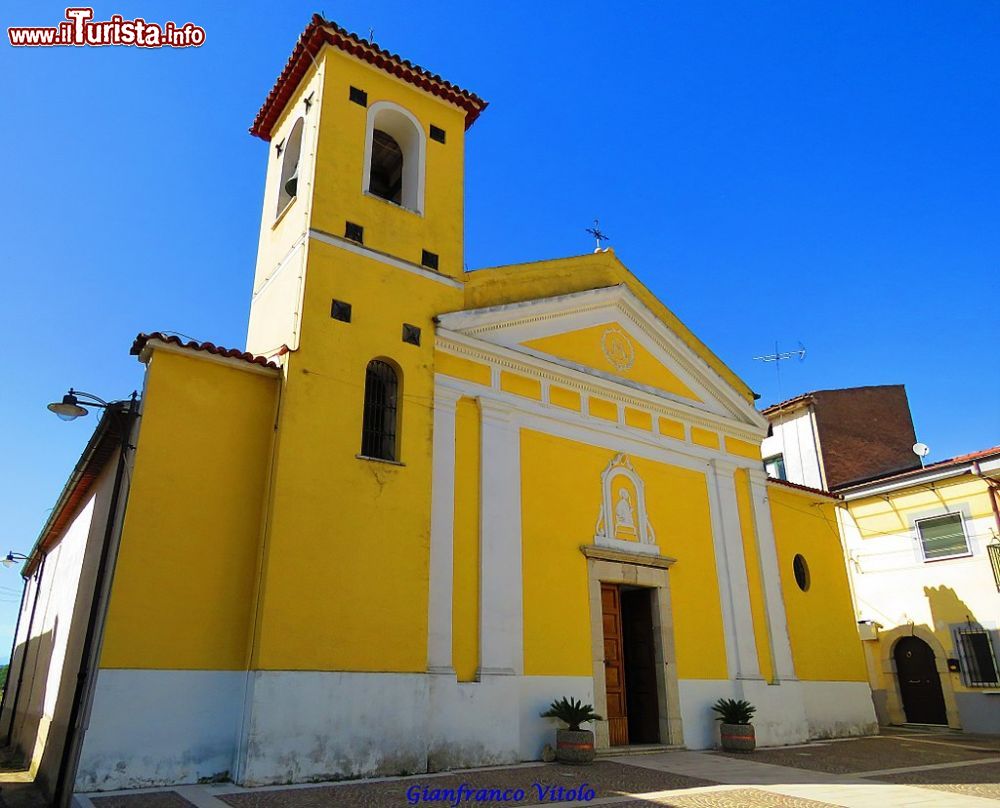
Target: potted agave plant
[573, 745]
[736, 731]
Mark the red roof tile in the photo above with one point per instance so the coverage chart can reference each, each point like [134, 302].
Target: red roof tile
[797, 486]
[193, 345]
[320, 32]
[940, 465]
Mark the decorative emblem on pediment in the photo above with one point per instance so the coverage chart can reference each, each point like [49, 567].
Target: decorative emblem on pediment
[623, 507]
[618, 348]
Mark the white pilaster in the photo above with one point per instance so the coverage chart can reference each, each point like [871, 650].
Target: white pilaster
[741, 650]
[500, 588]
[784, 665]
[439, 617]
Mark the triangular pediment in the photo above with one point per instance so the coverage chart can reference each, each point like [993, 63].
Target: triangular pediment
[610, 334]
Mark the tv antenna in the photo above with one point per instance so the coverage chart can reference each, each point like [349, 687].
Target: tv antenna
[778, 357]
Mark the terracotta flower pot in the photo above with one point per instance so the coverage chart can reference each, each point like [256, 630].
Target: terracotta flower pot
[737, 737]
[574, 745]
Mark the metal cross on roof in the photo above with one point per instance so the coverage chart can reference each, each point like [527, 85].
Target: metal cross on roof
[595, 231]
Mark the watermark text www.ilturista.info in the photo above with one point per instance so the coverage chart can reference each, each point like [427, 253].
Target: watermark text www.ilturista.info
[466, 794]
[80, 29]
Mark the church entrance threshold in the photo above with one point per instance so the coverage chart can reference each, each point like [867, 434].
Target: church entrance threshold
[630, 665]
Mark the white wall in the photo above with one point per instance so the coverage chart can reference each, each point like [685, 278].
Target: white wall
[151, 727]
[50, 646]
[893, 585]
[794, 438]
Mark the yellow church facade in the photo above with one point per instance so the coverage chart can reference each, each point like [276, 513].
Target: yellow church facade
[426, 502]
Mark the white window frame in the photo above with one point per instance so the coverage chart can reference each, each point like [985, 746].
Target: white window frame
[392, 116]
[920, 540]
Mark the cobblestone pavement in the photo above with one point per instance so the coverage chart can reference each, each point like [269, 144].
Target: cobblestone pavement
[898, 770]
[153, 799]
[605, 778]
[982, 780]
[729, 798]
[866, 754]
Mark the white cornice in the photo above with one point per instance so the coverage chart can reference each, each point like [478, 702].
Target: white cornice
[384, 258]
[619, 300]
[656, 403]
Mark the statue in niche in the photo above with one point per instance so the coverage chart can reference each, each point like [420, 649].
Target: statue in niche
[623, 516]
[624, 513]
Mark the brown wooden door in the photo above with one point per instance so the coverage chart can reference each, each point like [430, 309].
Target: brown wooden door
[614, 664]
[919, 682]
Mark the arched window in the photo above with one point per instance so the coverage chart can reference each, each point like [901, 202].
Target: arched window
[378, 429]
[288, 181]
[395, 149]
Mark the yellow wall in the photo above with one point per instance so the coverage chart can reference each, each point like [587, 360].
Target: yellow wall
[559, 510]
[821, 624]
[584, 348]
[184, 582]
[338, 197]
[339, 522]
[465, 584]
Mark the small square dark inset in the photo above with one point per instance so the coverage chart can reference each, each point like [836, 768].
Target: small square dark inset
[354, 232]
[359, 96]
[411, 334]
[339, 310]
[437, 133]
[429, 260]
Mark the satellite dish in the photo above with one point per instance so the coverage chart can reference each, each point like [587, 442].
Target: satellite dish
[921, 449]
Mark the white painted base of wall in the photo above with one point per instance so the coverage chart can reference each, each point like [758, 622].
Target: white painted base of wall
[787, 713]
[326, 726]
[151, 728]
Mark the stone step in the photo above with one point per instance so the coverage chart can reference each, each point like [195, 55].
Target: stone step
[638, 749]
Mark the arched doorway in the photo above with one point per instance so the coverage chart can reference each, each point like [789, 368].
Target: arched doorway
[919, 683]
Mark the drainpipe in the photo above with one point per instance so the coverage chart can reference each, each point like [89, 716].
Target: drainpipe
[27, 646]
[85, 679]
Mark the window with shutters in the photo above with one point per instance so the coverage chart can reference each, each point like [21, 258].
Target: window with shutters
[943, 537]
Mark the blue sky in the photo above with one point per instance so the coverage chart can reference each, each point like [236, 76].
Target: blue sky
[784, 171]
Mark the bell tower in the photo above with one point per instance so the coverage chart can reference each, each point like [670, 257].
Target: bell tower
[360, 249]
[366, 154]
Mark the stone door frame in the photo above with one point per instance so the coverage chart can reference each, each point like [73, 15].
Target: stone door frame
[610, 566]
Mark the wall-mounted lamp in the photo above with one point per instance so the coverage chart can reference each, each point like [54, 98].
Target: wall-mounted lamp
[12, 558]
[71, 408]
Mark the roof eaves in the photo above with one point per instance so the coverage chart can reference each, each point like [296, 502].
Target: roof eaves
[322, 32]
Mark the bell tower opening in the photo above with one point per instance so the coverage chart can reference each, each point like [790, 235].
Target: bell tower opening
[386, 177]
[395, 156]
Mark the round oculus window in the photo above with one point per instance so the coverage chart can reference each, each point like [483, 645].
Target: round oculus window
[801, 570]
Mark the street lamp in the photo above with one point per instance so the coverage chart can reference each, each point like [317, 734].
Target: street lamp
[71, 408]
[12, 558]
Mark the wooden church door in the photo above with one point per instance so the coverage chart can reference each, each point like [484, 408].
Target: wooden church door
[614, 664]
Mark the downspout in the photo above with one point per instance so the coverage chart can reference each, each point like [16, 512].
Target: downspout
[98, 608]
[27, 646]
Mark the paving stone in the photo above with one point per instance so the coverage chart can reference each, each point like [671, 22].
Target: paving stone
[153, 799]
[981, 780]
[734, 798]
[862, 755]
[606, 778]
